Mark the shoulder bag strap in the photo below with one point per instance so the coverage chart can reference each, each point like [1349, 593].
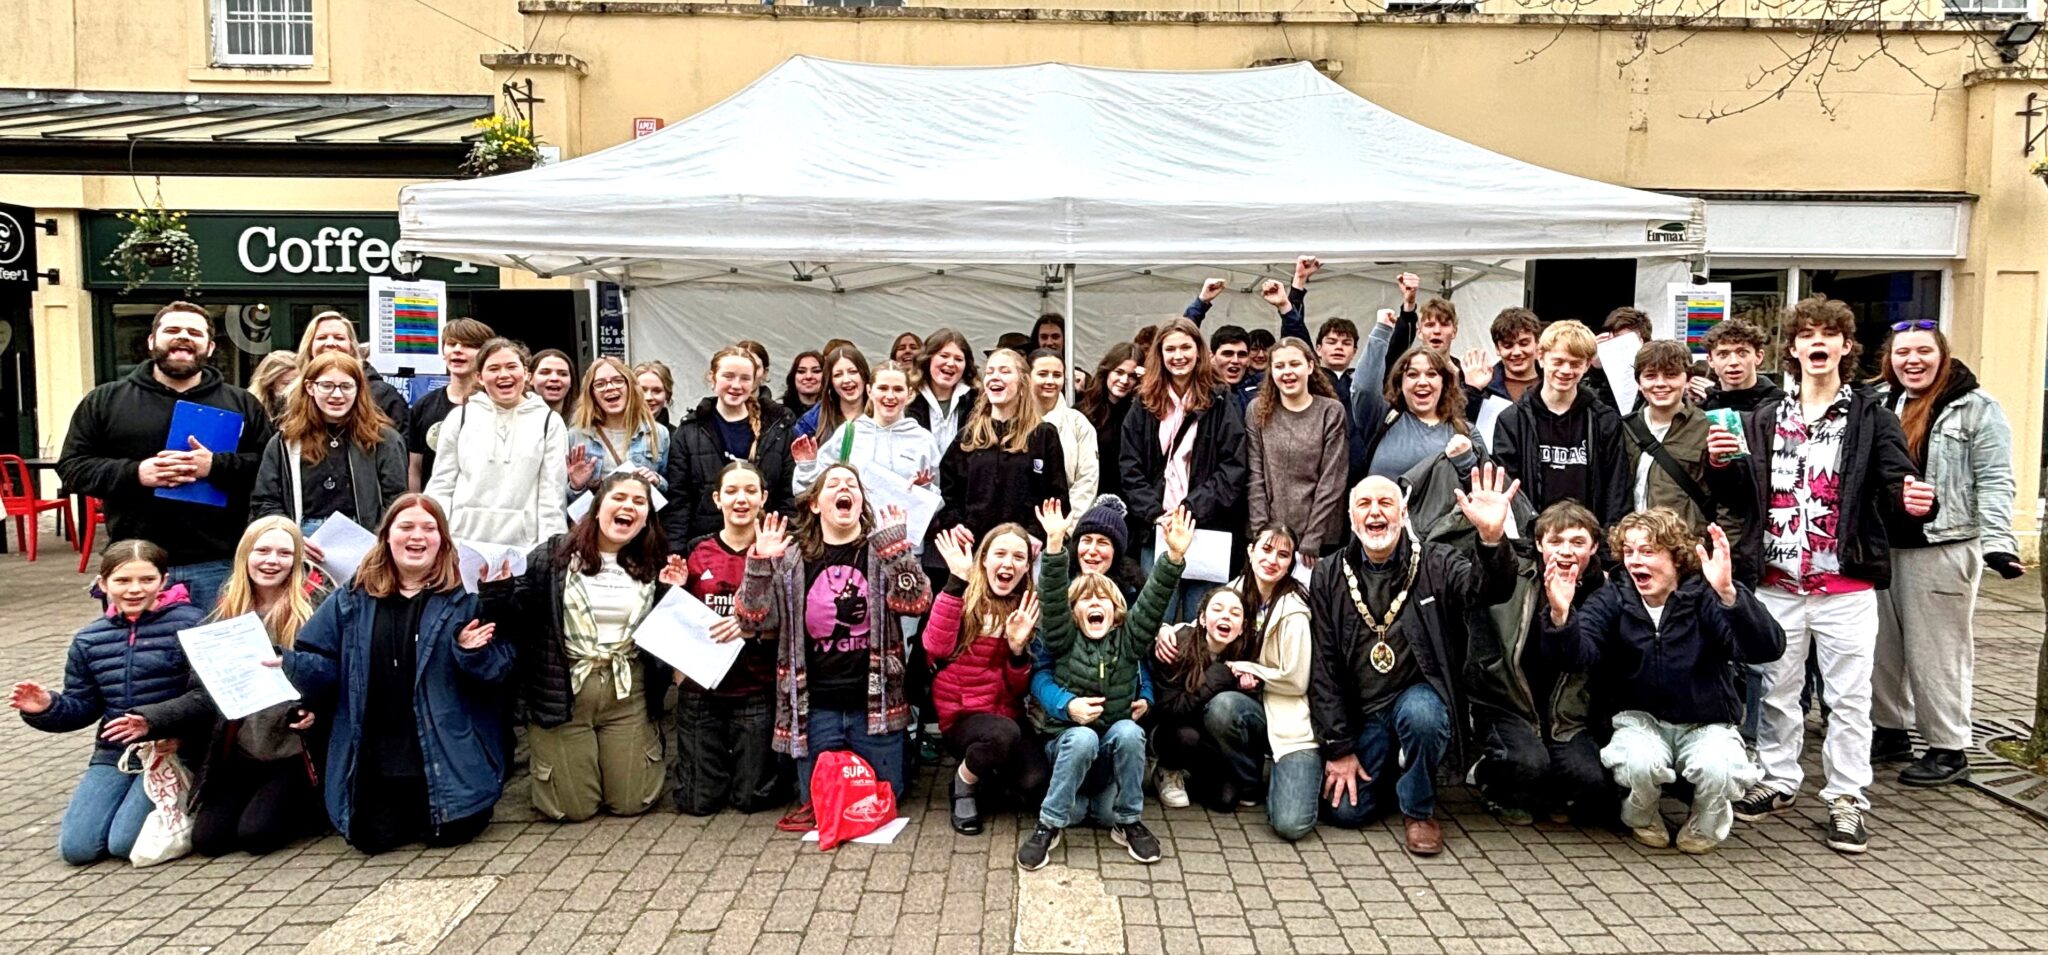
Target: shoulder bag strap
[1640, 431]
[293, 462]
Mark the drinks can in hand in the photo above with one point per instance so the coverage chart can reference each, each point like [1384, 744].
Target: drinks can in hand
[1731, 420]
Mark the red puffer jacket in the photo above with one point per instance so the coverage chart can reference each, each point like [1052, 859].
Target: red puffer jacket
[984, 678]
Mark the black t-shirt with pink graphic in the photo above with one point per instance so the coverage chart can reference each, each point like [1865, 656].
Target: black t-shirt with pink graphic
[836, 628]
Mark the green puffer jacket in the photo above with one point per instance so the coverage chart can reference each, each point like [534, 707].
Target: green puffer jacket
[1108, 667]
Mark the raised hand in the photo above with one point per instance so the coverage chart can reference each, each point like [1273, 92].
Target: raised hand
[1022, 623]
[957, 547]
[582, 470]
[476, 635]
[804, 449]
[1180, 533]
[29, 697]
[1275, 295]
[675, 572]
[923, 477]
[892, 515]
[771, 536]
[1052, 516]
[1457, 447]
[1478, 367]
[1718, 565]
[1305, 268]
[1487, 506]
[1696, 388]
[1387, 317]
[1408, 283]
[1560, 586]
[1918, 497]
[1212, 288]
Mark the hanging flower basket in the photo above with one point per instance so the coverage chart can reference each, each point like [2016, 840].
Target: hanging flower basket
[507, 145]
[156, 239]
[2040, 170]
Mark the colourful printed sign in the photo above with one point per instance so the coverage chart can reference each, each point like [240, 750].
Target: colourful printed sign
[1695, 309]
[405, 325]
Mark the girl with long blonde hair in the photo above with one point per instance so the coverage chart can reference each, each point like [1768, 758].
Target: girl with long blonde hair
[613, 428]
[1006, 459]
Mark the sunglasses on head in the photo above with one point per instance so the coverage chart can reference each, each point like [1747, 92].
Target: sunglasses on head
[1924, 324]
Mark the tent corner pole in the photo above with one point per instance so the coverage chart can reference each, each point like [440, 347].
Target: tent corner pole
[1067, 338]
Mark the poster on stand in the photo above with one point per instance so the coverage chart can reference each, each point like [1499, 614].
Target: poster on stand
[405, 325]
[1694, 309]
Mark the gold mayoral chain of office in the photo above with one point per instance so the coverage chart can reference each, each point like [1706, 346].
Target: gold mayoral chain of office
[1382, 655]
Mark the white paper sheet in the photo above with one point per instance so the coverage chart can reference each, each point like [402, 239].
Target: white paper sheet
[1489, 412]
[473, 556]
[1208, 557]
[920, 503]
[1618, 359]
[228, 655]
[581, 505]
[1303, 573]
[880, 837]
[343, 544]
[678, 630]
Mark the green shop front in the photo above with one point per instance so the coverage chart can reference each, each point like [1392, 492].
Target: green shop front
[263, 276]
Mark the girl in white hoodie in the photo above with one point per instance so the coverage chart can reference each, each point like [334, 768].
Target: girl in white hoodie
[883, 438]
[502, 471]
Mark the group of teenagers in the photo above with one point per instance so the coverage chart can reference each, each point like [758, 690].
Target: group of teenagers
[1581, 613]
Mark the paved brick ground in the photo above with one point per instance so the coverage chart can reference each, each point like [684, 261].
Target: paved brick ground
[1951, 870]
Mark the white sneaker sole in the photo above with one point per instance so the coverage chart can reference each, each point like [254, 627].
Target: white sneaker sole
[1176, 799]
[1048, 856]
[1117, 836]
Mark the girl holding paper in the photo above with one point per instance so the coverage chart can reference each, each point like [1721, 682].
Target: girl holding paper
[333, 453]
[614, 429]
[412, 680]
[128, 658]
[255, 787]
[882, 438]
[836, 594]
[726, 735]
[592, 697]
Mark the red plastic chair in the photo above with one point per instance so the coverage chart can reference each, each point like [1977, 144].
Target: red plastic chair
[94, 517]
[18, 500]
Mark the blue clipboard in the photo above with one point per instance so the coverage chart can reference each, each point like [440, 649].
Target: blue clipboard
[218, 430]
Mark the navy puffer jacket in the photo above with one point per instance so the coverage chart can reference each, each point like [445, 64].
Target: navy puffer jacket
[117, 664]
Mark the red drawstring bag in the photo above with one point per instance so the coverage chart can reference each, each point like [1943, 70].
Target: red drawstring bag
[847, 798]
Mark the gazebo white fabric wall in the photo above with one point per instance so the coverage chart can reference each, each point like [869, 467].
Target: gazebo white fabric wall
[864, 177]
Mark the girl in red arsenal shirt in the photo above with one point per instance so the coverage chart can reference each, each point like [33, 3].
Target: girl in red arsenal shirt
[726, 754]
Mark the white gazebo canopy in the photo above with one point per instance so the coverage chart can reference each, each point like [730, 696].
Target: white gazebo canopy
[825, 176]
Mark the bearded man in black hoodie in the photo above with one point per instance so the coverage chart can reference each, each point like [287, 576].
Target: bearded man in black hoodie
[115, 451]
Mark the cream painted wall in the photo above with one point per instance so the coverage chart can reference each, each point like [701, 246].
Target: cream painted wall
[370, 46]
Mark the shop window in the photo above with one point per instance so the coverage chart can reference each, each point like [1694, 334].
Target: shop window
[1582, 290]
[1759, 298]
[1879, 298]
[241, 337]
[263, 32]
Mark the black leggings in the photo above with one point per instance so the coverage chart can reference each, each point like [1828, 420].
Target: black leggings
[396, 813]
[993, 745]
[254, 805]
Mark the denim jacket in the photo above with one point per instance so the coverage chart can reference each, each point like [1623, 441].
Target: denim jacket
[1969, 462]
[648, 449]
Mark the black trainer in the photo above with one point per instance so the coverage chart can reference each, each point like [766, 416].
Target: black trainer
[1761, 802]
[966, 813]
[1037, 846]
[1143, 845]
[1845, 827]
[1936, 767]
[1889, 746]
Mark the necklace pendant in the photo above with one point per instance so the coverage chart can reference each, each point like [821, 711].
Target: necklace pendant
[1382, 656]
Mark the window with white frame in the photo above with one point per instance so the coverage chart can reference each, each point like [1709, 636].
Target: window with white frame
[263, 32]
[1988, 9]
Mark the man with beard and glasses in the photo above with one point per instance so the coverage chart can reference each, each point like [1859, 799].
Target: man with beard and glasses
[1383, 677]
[115, 451]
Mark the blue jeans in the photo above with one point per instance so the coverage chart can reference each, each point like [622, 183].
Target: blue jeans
[1073, 753]
[104, 817]
[1238, 725]
[1411, 735]
[1293, 794]
[1752, 675]
[848, 729]
[1186, 603]
[203, 581]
